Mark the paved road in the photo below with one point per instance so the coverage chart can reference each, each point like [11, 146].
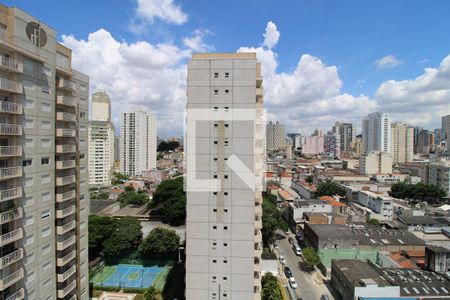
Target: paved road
[308, 288]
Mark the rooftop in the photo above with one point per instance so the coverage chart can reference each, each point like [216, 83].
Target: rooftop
[361, 273]
[424, 220]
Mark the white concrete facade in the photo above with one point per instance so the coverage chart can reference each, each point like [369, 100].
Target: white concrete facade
[439, 175]
[137, 141]
[275, 136]
[402, 143]
[223, 228]
[43, 164]
[376, 132]
[380, 204]
[375, 162]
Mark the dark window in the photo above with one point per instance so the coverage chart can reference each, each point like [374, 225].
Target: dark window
[216, 74]
[27, 162]
[45, 160]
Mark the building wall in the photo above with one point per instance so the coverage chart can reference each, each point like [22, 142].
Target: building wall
[313, 145]
[275, 136]
[439, 174]
[376, 132]
[375, 162]
[402, 143]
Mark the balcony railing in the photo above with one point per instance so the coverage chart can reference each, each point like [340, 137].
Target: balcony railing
[65, 228]
[66, 84]
[62, 261]
[65, 100]
[11, 236]
[65, 164]
[11, 279]
[10, 194]
[65, 196]
[10, 151]
[65, 291]
[64, 276]
[65, 148]
[11, 215]
[11, 258]
[66, 243]
[68, 117]
[10, 129]
[60, 181]
[10, 86]
[61, 132]
[10, 107]
[62, 213]
[19, 295]
[6, 173]
[11, 64]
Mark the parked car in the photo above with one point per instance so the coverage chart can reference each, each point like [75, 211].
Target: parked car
[282, 259]
[297, 249]
[291, 240]
[287, 272]
[292, 283]
[324, 297]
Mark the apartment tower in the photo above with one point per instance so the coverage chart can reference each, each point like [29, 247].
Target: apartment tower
[376, 132]
[402, 143]
[44, 200]
[101, 141]
[275, 136]
[346, 133]
[225, 152]
[137, 142]
[446, 130]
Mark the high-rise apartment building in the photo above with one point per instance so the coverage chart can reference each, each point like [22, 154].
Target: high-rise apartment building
[417, 130]
[376, 132]
[346, 132]
[117, 148]
[44, 200]
[332, 145]
[223, 224]
[425, 142]
[137, 142]
[446, 130]
[402, 143]
[275, 136]
[313, 145]
[375, 162]
[101, 141]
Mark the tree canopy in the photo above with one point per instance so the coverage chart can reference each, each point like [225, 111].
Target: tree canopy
[330, 188]
[170, 197]
[309, 179]
[160, 241]
[167, 146]
[270, 287]
[131, 196]
[420, 192]
[272, 219]
[310, 256]
[151, 294]
[374, 222]
[100, 229]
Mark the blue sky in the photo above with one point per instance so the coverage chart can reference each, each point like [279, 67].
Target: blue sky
[349, 36]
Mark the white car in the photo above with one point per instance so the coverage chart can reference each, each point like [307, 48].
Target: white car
[282, 260]
[292, 282]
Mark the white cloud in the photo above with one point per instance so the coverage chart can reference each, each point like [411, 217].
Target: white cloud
[165, 10]
[196, 41]
[387, 62]
[271, 36]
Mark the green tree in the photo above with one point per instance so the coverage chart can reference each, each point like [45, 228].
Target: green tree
[151, 294]
[418, 192]
[168, 146]
[272, 219]
[131, 196]
[374, 222]
[170, 197]
[330, 188]
[270, 287]
[124, 239]
[310, 256]
[160, 241]
[309, 179]
[100, 229]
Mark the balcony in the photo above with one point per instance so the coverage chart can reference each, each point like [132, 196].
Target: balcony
[11, 258]
[66, 117]
[60, 262]
[61, 181]
[66, 227]
[10, 107]
[10, 86]
[10, 151]
[258, 236]
[66, 243]
[62, 197]
[62, 213]
[65, 291]
[10, 64]
[66, 100]
[65, 164]
[19, 295]
[259, 81]
[258, 210]
[10, 129]
[11, 279]
[10, 194]
[61, 132]
[259, 93]
[13, 172]
[66, 85]
[11, 236]
[63, 277]
[65, 148]
[11, 215]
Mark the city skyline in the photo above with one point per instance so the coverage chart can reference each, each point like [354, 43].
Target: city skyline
[341, 70]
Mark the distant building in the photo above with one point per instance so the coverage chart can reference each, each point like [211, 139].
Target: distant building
[332, 144]
[446, 129]
[402, 143]
[117, 148]
[376, 132]
[417, 130]
[357, 145]
[437, 259]
[275, 136]
[313, 145]
[375, 162]
[425, 142]
[381, 204]
[288, 148]
[346, 132]
[439, 175]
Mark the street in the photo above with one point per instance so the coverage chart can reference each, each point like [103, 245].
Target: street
[310, 285]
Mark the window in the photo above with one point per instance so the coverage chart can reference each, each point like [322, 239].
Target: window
[215, 176]
[30, 277]
[45, 106]
[227, 74]
[214, 261]
[45, 196]
[45, 160]
[227, 91]
[214, 209]
[216, 92]
[27, 162]
[225, 227]
[83, 87]
[27, 84]
[28, 201]
[225, 261]
[46, 232]
[29, 181]
[29, 239]
[47, 71]
[82, 156]
[29, 104]
[46, 124]
[46, 266]
[45, 143]
[216, 74]
[46, 284]
[29, 258]
[45, 214]
[29, 220]
[82, 115]
[46, 89]
[225, 278]
[29, 123]
[29, 143]
[28, 66]
[225, 244]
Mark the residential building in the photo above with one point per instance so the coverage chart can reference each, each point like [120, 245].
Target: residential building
[275, 136]
[317, 132]
[313, 145]
[296, 209]
[375, 162]
[137, 141]
[117, 148]
[425, 142]
[376, 132]
[288, 148]
[417, 130]
[332, 144]
[346, 132]
[357, 146]
[101, 141]
[439, 175]
[402, 143]
[446, 129]
[223, 226]
[437, 258]
[296, 140]
[379, 203]
[44, 200]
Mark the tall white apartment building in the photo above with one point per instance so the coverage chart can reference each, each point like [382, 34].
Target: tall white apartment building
[402, 143]
[376, 132]
[223, 225]
[275, 136]
[44, 200]
[137, 142]
[446, 130]
[101, 141]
